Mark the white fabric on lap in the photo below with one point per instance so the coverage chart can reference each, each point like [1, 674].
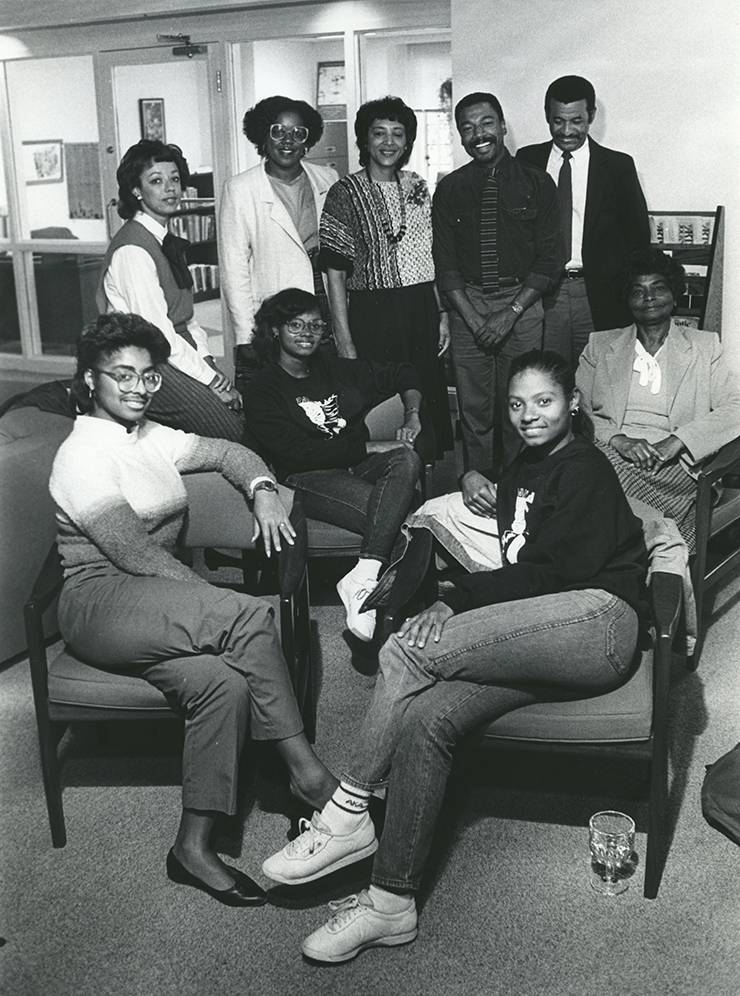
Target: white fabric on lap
[471, 539]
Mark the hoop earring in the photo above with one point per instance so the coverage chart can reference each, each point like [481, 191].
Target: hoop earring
[574, 412]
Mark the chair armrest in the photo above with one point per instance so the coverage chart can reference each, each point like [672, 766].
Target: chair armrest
[666, 592]
[724, 460]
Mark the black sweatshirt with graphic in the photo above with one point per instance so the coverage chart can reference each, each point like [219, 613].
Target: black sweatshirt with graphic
[316, 422]
[564, 525]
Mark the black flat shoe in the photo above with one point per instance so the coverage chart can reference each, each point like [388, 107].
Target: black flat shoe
[244, 892]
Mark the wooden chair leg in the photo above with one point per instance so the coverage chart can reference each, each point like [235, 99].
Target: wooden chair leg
[49, 736]
[656, 834]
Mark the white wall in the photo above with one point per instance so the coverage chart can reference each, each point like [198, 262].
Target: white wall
[406, 68]
[183, 86]
[667, 80]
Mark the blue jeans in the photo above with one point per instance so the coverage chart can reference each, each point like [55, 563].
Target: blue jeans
[491, 660]
[372, 498]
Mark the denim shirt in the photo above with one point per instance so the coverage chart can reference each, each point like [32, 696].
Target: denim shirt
[528, 225]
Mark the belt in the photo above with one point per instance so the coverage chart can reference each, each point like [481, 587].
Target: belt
[502, 282]
[575, 274]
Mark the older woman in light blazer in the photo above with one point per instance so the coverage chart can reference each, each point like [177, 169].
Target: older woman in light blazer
[661, 397]
[269, 218]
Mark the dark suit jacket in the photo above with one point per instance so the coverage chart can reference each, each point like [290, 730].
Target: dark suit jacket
[616, 222]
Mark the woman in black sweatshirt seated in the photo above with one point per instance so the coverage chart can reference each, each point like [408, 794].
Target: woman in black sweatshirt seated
[306, 411]
[558, 619]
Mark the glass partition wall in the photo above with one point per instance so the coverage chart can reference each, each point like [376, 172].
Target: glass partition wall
[54, 228]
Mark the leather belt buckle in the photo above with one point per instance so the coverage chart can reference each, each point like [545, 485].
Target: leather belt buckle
[573, 274]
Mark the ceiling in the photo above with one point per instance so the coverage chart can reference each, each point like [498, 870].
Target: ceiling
[24, 14]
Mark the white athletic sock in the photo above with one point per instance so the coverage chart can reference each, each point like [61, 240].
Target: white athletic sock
[389, 902]
[346, 808]
[367, 569]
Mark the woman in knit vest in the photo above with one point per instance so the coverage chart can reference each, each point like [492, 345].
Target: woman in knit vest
[145, 273]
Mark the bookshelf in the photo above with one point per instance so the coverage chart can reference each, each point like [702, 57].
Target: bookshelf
[196, 222]
[696, 240]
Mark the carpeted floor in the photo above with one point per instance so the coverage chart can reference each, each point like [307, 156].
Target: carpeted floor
[507, 908]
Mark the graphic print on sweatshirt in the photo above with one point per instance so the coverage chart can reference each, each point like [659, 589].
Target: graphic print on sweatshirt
[515, 536]
[324, 414]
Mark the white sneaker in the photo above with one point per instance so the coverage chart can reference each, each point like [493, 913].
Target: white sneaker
[353, 591]
[355, 925]
[318, 851]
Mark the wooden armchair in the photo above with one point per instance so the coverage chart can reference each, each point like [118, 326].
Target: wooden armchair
[717, 532]
[66, 690]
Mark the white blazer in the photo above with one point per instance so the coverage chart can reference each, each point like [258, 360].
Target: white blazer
[259, 249]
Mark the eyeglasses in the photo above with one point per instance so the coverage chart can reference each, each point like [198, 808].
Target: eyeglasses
[296, 325]
[128, 380]
[298, 134]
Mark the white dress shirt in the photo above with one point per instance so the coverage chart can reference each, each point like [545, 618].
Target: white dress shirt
[579, 181]
[131, 285]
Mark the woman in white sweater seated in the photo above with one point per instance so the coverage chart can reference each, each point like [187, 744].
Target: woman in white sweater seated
[128, 604]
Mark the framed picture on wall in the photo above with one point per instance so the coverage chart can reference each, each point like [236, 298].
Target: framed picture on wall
[151, 115]
[43, 161]
[331, 98]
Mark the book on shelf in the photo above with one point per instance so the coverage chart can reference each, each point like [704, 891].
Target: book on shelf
[205, 277]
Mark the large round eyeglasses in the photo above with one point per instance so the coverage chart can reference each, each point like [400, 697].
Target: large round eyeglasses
[297, 134]
[297, 325]
[127, 380]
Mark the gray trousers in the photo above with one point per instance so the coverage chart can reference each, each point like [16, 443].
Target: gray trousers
[215, 654]
[481, 378]
[568, 321]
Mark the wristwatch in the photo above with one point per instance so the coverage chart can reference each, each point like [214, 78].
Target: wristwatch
[517, 308]
[264, 486]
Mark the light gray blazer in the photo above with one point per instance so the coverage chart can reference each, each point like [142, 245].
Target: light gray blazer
[704, 395]
[259, 249]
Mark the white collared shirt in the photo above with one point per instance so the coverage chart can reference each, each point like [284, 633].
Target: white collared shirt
[579, 181]
[131, 285]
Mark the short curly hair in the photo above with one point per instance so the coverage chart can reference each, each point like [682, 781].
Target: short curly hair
[276, 311]
[648, 261]
[135, 160]
[385, 109]
[109, 334]
[257, 120]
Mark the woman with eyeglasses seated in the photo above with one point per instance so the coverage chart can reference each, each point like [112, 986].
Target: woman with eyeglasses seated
[268, 224]
[376, 246]
[129, 605]
[145, 273]
[306, 410]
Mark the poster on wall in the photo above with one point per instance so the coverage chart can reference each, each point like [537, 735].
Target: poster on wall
[43, 161]
[331, 98]
[83, 180]
[151, 115]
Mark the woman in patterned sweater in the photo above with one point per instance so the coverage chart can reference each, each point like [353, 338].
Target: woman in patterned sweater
[129, 605]
[376, 246]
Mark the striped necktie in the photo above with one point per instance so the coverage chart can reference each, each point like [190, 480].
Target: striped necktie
[488, 235]
[565, 199]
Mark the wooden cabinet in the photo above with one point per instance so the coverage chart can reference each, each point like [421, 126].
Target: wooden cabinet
[696, 240]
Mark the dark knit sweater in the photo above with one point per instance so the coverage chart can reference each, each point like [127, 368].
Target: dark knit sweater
[316, 422]
[564, 525]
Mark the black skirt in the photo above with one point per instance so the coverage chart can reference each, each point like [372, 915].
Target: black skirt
[401, 325]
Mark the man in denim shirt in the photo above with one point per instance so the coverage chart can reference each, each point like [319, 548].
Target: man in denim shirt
[497, 249]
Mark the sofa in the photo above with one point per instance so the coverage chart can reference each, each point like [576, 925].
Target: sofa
[29, 439]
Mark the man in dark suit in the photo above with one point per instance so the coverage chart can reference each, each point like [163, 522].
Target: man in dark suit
[603, 218]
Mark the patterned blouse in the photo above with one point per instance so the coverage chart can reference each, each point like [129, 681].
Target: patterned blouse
[353, 235]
